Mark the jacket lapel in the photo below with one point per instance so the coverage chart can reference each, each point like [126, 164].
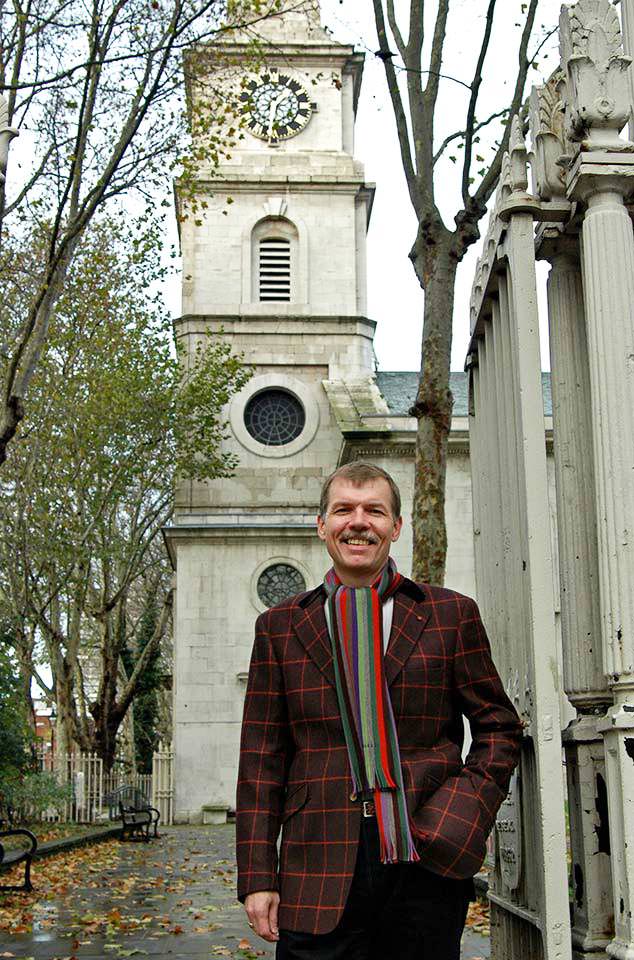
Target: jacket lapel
[408, 622]
[409, 619]
[309, 623]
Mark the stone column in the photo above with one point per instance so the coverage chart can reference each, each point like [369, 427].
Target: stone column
[584, 681]
[627, 20]
[598, 98]
[608, 272]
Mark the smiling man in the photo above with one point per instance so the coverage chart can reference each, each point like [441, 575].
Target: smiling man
[352, 747]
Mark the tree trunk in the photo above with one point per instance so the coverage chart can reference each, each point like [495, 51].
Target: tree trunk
[66, 728]
[435, 264]
[24, 650]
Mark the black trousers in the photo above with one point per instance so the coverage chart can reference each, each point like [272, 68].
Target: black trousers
[394, 912]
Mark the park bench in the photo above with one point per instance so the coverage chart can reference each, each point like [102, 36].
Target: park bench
[130, 805]
[20, 854]
[136, 822]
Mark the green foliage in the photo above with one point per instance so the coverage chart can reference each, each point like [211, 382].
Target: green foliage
[146, 702]
[115, 417]
[22, 788]
[14, 730]
[33, 792]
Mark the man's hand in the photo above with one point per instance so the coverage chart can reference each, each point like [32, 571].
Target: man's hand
[261, 908]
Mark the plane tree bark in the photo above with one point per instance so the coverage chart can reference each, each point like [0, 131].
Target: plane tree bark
[439, 248]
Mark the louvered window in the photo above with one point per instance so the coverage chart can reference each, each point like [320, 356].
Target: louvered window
[275, 269]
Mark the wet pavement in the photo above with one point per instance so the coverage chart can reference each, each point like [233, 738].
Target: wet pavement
[173, 897]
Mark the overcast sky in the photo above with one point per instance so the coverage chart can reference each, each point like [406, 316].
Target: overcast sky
[395, 299]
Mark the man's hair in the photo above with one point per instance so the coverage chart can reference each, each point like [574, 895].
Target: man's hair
[358, 472]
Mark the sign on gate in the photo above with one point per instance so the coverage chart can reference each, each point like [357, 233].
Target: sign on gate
[508, 828]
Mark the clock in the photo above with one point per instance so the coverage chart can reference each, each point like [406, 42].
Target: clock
[276, 107]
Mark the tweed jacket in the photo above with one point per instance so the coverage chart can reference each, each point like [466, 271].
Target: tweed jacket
[294, 772]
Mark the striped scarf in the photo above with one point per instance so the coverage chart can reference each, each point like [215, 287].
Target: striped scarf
[355, 617]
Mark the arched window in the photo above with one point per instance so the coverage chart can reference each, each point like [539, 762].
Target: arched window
[274, 261]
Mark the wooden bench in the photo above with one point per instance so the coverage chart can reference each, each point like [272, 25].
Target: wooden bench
[138, 821]
[18, 855]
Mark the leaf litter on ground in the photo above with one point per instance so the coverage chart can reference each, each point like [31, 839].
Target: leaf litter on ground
[479, 917]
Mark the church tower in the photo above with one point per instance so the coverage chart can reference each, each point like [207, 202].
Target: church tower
[280, 272]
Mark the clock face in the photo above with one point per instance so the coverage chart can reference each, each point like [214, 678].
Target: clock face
[277, 107]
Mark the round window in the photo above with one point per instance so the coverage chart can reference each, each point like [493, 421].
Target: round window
[278, 582]
[274, 417]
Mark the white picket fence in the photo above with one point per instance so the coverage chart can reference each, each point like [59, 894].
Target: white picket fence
[163, 781]
[90, 786]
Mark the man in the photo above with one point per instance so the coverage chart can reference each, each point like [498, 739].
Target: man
[351, 745]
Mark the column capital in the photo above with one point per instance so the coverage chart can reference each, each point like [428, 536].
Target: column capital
[555, 246]
[601, 172]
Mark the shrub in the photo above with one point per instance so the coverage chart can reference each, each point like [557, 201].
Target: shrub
[27, 795]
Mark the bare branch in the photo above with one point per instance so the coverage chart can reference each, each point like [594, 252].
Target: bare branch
[473, 100]
[459, 134]
[394, 27]
[397, 105]
[416, 29]
[435, 59]
[487, 184]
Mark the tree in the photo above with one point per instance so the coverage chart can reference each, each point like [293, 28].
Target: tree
[14, 754]
[88, 486]
[96, 89]
[146, 701]
[438, 249]
[23, 788]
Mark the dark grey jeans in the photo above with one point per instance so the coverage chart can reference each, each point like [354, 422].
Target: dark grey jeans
[394, 912]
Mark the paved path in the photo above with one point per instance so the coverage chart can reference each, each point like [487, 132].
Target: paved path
[174, 897]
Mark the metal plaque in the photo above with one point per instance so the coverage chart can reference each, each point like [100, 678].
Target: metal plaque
[508, 829]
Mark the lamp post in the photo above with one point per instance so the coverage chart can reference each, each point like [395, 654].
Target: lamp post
[7, 134]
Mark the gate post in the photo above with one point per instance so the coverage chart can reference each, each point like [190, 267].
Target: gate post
[608, 261]
[583, 677]
[529, 893]
[602, 175]
[584, 681]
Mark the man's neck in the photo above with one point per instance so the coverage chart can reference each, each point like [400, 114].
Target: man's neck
[363, 579]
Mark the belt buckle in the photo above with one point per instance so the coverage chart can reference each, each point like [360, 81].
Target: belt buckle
[368, 808]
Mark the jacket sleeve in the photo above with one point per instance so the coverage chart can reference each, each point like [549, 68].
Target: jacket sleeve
[265, 754]
[452, 826]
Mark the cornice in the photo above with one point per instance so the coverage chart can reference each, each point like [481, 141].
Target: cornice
[272, 325]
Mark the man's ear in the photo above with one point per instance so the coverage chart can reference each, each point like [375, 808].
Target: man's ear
[398, 526]
[321, 528]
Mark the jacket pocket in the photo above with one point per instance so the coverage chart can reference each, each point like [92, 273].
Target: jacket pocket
[295, 800]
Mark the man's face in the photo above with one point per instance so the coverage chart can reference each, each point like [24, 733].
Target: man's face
[358, 529]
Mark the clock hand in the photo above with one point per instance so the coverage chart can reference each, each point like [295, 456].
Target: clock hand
[273, 109]
[272, 112]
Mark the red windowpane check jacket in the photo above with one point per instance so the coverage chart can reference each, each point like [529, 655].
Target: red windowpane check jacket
[294, 773]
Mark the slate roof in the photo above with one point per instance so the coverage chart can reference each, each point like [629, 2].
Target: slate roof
[399, 390]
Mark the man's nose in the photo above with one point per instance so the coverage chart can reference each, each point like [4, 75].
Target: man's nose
[359, 518]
